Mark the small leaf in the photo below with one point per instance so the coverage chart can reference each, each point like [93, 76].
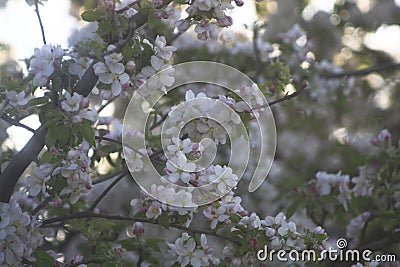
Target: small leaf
[105, 27]
[292, 208]
[163, 220]
[90, 16]
[38, 101]
[88, 132]
[43, 259]
[153, 242]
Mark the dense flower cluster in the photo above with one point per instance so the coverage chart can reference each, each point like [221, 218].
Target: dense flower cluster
[44, 62]
[75, 169]
[19, 236]
[188, 253]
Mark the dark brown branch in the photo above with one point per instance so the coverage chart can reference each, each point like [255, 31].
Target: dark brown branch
[108, 189]
[19, 163]
[15, 122]
[108, 177]
[42, 205]
[40, 21]
[362, 72]
[286, 97]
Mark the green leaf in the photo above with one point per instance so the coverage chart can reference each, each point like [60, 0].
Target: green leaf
[38, 101]
[108, 264]
[292, 208]
[127, 52]
[43, 259]
[58, 134]
[163, 220]
[105, 27]
[88, 132]
[48, 157]
[90, 16]
[153, 243]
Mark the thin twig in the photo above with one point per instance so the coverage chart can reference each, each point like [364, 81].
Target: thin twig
[15, 122]
[286, 97]
[155, 125]
[362, 72]
[108, 189]
[86, 214]
[40, 21]
[106, 104]
[103, 138]
[42, 205]
[108, 177]
[119, 27]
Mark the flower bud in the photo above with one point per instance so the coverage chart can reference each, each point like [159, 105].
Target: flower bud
[318, 230]
[225, 21]
[239, 2]
[138, 228]
[253, 242]
[130, 65]
[182, 25]
[203, 36]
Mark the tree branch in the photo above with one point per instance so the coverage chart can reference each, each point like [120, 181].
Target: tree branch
[40, 21]
[362, 72]
[108, 189]
[286, 97]
[88, 214]
[15, 122]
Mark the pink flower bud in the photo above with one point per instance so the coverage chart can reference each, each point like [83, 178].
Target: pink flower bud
[138, 228]
[318, 230]
[182, 25]
[384, 136]
[158, 15]
[227, 222]
[130, 65]
[85, 102]
[165, 15]
[158, 3]
[203, 36]
[58, 202]
[225, 21]
[253, 242]
[110, 6]
[239, 2]
[119, 251]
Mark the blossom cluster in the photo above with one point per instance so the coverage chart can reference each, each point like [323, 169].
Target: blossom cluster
[44, 62]
[166, 195]
[78, 106]
[75, 169]
[160, 73]
[19, 235]
[112, 71]
[187, 252]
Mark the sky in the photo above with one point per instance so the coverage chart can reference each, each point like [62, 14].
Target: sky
[22, 32]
